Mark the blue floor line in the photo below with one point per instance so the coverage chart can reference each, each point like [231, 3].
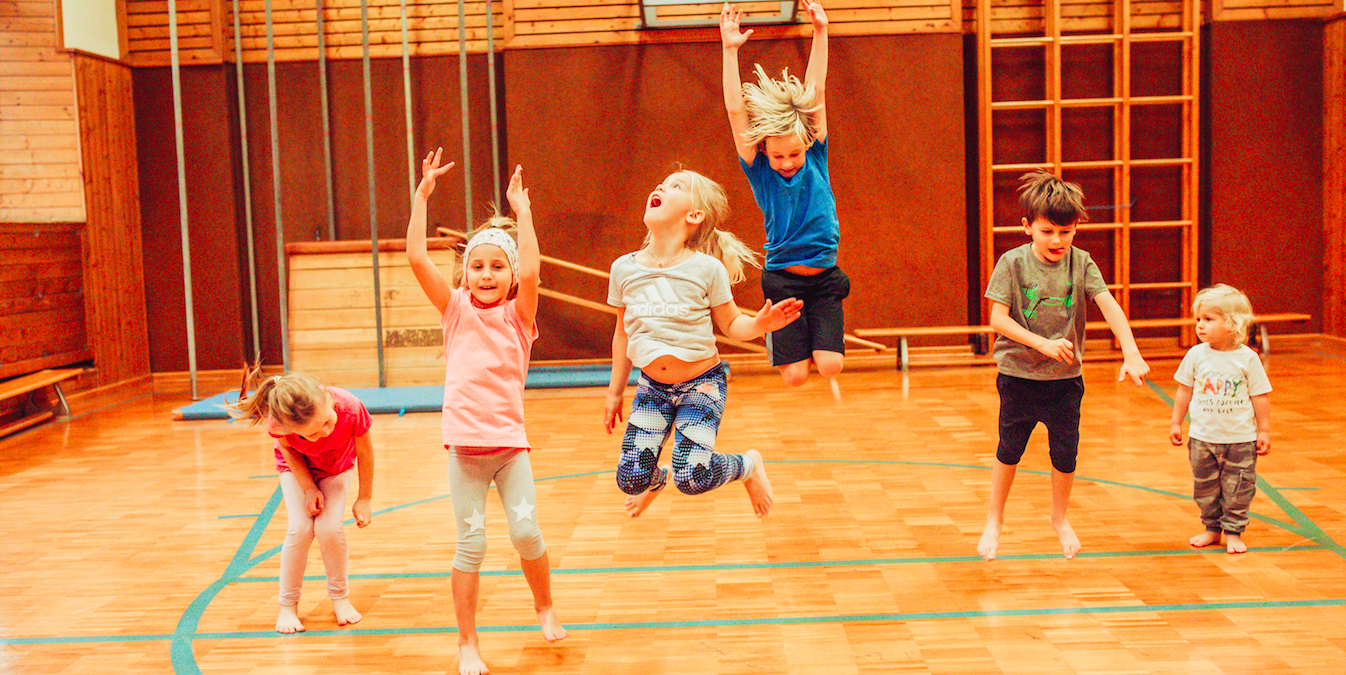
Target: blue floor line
[703, 623]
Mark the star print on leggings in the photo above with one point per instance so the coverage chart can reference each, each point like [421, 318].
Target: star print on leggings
[477, 521]
[522, 512]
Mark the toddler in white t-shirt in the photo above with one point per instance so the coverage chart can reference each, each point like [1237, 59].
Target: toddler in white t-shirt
[1225, 389]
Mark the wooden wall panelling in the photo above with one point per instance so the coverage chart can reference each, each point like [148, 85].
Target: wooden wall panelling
[201, 26]
[332, 330]
[39, 139]
[1263, 10]
[1334, 176]
[41, 297]
[114, 279]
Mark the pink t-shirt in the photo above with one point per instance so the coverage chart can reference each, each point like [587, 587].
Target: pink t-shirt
[486, 360]
[334, 453]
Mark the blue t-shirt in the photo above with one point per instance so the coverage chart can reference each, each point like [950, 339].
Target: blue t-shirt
[800, 211]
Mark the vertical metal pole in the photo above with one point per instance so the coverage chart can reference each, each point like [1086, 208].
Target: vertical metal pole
[282, 280]
[182, 192]
[495, 123]
[326, 125]
[247, 183]
[373, 197]
[406, 96]
[463, 103]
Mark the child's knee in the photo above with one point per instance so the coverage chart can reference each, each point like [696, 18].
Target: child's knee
[829, 363]
[696, 479]
[1063, 459]
[527, 540]
[795, 374]
[1011, 454]
[299, 530]
[471, 552]
[635, 477]
[328, 530]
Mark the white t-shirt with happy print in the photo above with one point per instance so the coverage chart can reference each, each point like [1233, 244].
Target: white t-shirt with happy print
[1223, 384]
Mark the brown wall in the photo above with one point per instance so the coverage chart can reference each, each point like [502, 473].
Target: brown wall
[1265, 115]
[629, 113]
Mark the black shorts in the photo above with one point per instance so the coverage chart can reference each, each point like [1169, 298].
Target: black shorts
[1055, 403]
[821, 323]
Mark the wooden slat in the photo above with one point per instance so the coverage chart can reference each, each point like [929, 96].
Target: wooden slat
[114, 269]
[36, 101]
[35, 381]
[25, 422]
[1334, 177]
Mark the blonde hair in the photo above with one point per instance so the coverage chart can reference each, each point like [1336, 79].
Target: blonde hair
[710, 198]
[1043, 195]
[498, 221]
[292, 399]
[1230, 303]
[781, 107]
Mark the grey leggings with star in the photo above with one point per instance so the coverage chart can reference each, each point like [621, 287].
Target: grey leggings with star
[470, 476]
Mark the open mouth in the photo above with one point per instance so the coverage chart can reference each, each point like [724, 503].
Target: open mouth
[655, 201]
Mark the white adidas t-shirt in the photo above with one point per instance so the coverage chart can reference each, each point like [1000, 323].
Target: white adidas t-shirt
[668, 309]
[1223, 384]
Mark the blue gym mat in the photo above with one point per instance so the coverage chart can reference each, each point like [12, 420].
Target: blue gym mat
[399, 400]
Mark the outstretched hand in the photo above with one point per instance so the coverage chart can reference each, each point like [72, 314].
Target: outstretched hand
[431, 170]
[730, 20]
[1135, 368]
[777, 316]
[817, 16]
[516, 193]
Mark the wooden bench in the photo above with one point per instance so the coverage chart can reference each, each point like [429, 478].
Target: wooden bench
[30, 384]
[1260, 323]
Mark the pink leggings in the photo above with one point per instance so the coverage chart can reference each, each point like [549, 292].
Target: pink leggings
[326, 526]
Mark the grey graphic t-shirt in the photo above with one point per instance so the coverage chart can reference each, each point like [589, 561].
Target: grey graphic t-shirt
[1050, 300]
[668, 309]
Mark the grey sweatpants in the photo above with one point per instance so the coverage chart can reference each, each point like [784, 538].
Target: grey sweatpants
[1224, 482]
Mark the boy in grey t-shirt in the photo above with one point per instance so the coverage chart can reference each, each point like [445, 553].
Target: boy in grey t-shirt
[1038, 295]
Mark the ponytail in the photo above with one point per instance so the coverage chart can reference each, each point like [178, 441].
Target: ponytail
[293, 398]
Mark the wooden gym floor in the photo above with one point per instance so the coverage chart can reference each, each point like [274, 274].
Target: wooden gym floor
[134, 544]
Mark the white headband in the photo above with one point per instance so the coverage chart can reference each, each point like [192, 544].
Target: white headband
[496, 237]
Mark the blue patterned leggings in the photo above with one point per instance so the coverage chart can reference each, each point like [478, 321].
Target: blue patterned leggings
[692, 411]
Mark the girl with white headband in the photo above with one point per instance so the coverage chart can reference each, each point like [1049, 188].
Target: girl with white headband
[487, 317]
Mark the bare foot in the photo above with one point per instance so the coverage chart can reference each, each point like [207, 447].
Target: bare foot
[469, 660]
[551, 626]
[1206, 538]
[636, 504]
[990, 540]
[1070, 544]
[288, 621]
[345, 612]
[759, 488]
[1234, 544]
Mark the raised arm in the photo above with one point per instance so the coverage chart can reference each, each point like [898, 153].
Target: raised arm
[730, 40]
[432, 281]
[621, 372]
[817, 72]
[530, 260]
[740, 326]
[1133, 365]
